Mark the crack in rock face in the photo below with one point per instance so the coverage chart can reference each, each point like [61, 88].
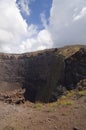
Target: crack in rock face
[44, 76]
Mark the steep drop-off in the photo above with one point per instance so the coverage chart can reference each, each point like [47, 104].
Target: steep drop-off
[44, 75]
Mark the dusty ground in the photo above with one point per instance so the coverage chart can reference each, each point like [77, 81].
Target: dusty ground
[28, 116]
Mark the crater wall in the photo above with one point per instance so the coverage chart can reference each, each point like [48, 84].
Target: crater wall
[44, 75]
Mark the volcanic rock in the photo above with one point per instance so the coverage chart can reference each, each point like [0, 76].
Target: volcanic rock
[44, 75]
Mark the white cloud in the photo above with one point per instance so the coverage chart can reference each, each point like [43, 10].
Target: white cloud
[38, 42]
[80, 15]
[68, 22]
[12, 26]
[67, 25]
[44, 20]
[15, 35]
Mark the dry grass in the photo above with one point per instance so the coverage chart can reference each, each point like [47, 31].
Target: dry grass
[68, 51]
[73, 93]
[65, 102]
[70, 93]
[81, 93]
[53, 104]
[38, 105]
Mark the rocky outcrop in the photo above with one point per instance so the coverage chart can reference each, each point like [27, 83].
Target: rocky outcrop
[81, 85]
[75, 68]
[13, 97]
[44, 75]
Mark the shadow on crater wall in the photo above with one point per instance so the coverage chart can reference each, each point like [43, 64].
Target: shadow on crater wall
[44, 75]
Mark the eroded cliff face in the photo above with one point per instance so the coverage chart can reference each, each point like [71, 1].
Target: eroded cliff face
[38, 74]
[43, 75]
[75, 68]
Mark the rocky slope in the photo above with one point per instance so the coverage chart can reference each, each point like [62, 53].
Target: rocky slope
[44, 75]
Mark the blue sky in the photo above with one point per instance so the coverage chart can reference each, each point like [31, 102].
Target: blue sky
[36, 8]
[31, 25]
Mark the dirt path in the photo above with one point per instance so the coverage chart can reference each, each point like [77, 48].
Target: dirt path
[43, 117]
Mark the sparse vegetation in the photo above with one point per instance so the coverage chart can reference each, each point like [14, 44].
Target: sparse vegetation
[73, 93]
[43, 75]
[53, 104]
[65, 102]
[38, 105]
[70, 93]
[81, 93]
